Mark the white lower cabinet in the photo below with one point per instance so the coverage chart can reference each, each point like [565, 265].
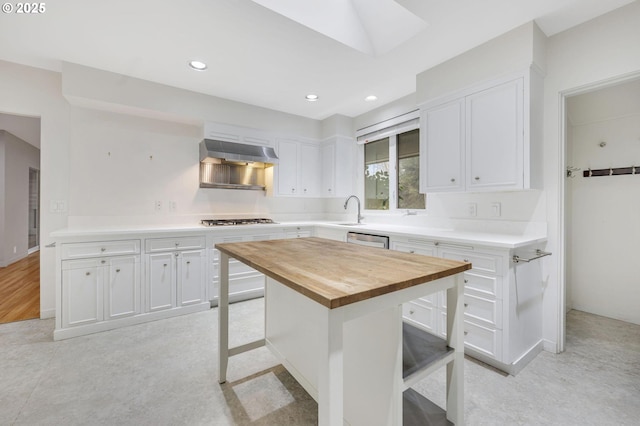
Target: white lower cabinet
[161, 281]
[502, 304]
[102, 285]
[96, 289]
[177, 277]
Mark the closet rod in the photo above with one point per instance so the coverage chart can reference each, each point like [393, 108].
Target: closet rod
[633, 170]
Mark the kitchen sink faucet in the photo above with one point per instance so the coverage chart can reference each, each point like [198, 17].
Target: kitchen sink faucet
[358, 200]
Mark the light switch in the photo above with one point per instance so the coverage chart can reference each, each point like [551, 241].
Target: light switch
[158, 206]
[472, 209]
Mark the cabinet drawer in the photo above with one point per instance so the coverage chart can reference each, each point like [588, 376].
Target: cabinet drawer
[153, 245]
[481, 262]
[485, 340]
[426, 249]
[104, 248]
[479, 309]
[490, 286]
[423, 315]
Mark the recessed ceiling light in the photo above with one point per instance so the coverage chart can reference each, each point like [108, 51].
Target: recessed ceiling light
[371, 98]
[198, 65]
[311, 98]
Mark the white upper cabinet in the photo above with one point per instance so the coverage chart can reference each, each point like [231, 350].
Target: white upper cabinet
[494, 139]
[309, 170]
[442, 147]
[486, 138]
[287, 168]
[299, 170]
[338, 167]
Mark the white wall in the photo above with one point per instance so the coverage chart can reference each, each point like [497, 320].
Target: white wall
[37, 93]
[605, 229]
[19, 157]
[120, 165]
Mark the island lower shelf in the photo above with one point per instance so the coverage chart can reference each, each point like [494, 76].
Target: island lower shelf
[422, 352]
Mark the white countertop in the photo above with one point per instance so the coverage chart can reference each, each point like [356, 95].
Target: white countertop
[498, 240]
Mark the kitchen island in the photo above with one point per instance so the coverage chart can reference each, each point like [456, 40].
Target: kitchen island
[334, 319]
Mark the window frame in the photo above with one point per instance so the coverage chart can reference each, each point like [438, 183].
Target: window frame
[387, 129]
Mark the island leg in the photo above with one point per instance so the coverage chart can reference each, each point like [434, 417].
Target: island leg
[223, 318]
[330, 373]
[455, 339]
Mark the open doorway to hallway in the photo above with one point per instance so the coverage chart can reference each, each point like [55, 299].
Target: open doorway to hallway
[602, 200]
[19, 217]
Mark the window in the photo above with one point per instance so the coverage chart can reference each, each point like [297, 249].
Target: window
[409, 196]
[392, 170]
[376, 175]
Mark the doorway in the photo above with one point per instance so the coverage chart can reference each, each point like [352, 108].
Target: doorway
[602, 199]
[20, 217]
[34, 211]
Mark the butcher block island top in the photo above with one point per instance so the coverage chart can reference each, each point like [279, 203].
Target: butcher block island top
[335, 273]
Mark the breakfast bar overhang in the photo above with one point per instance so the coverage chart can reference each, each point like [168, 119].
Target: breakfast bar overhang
[333, 316]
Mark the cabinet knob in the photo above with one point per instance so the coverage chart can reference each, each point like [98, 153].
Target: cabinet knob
[436, 243]
[165, 265]
[293, 190]
[466, 281]
[188, 262]
[103, 261]
[466, 332]
[411, 312]
[453, 179]
[329, 189]
[477, 178]
[177, 244]
[412, 251]
[466, 305]
[465, 260]
[87, 273]
[103, 249]
[305, 190]
[117, 270]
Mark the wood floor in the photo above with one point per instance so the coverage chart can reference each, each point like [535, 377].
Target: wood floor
[20, 289]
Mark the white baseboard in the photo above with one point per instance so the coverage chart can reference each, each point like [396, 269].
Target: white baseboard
[47, 313]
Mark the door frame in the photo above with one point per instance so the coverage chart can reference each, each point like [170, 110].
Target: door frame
[562, 176]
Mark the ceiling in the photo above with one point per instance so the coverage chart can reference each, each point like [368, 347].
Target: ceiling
[258, 56]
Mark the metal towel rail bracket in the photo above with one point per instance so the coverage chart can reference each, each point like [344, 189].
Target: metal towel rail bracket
[539, 254]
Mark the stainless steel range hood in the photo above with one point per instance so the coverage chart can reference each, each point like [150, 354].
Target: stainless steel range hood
[213, 151]
[231, 165]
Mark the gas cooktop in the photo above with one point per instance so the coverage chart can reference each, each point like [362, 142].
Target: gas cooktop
[228, 222]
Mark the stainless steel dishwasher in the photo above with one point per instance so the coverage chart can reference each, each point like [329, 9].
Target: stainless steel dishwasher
[370, 240]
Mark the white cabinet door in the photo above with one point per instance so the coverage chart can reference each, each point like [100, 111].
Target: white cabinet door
[287, 167]
[309, 169]
[442, 157]
[494, 123]
[161, 281]
[328, 170]
[191, 277]
[82, 292]
[122, 287]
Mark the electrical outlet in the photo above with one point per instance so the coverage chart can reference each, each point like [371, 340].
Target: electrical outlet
[173, 206]
[496, 209]
[158, 206]
[472, 209]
